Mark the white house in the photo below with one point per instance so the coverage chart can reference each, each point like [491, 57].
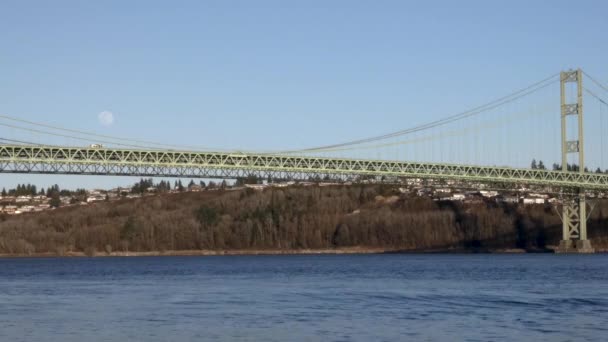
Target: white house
[488, 194]
[458, 197]
[23, 199]
[533, 200]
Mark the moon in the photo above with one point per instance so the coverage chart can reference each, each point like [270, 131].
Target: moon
[106, 118]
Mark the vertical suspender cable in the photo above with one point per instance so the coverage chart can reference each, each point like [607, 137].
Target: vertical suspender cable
[601, 136]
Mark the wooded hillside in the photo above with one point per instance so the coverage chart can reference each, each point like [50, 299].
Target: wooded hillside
[291, 218]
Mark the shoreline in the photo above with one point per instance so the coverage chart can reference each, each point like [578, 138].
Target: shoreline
[327, 251]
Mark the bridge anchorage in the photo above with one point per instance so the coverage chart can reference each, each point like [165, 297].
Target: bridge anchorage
[574, 214]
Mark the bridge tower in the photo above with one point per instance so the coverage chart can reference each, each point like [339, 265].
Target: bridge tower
[574, 207]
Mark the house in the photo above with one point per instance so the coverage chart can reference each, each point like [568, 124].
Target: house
[453, 197]
[458, 197]
[422, 192]
[120, 191]
[507, 199]
[257, 187]
[23, 199]
[9, 209]
[195, 188]
[488, 194]
[95, 198]
[413, 181]
[534, 200]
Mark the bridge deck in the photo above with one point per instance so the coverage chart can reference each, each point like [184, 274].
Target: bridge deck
[126, 162]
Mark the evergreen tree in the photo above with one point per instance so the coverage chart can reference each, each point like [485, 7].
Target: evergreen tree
[541, 165]
[52, 191]
[55, 202]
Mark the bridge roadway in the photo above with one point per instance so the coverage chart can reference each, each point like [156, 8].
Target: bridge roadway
[163, 163]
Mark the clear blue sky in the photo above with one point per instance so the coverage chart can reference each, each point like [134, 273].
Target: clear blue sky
[278, 74]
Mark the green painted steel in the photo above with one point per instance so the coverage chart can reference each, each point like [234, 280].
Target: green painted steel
[123, 162]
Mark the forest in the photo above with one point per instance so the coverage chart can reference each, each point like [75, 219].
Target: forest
[291, 219]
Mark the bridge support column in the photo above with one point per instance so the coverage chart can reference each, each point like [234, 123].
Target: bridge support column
[574, 226]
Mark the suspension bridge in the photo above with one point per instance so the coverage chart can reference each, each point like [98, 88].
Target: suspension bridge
[489, 145]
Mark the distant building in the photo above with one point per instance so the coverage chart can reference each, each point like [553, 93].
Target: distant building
[488, 194]
[413, 181]
[95, 198]
[195, 188]
[328, 184]
[23, 199]
[257, 187]
[458, 197]
[423, 192]
[534, 200]
[9, 209]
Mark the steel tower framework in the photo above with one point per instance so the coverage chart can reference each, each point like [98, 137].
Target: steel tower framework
[574, 208]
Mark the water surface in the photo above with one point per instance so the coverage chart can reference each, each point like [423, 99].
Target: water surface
[306, 298]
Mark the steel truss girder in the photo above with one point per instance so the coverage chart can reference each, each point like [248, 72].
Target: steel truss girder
[74, 160]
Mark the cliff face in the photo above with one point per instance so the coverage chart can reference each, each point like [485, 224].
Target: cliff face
[374, 217]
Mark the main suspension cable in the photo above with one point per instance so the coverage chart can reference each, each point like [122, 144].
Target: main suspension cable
[86, 133]
[475, 111]
[598, 83]
[599, 98]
